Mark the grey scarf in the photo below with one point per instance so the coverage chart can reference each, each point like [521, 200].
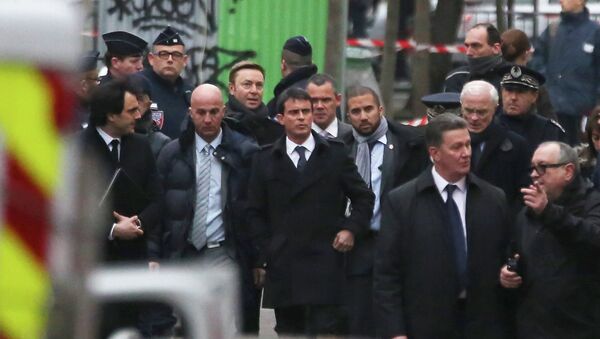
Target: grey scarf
[363, 156]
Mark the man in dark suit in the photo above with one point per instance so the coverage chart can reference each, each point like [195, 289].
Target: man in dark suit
[441, 245]
[298, 191]
[498, 155]
[110, 143]
[326, 102]
[387, 155]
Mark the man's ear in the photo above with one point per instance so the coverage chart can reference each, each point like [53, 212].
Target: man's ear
[279, 118]
[569, 172]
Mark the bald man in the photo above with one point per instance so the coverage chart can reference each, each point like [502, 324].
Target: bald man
[206, 170]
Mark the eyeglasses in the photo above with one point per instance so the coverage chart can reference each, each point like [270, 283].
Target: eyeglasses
[164, 55]
[541, 168]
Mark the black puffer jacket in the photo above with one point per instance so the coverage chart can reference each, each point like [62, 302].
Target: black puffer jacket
[177, 172]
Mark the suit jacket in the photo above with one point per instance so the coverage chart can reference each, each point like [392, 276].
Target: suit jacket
[136, 193]
[404, 158]
[295, 216]
[344, 130]
[415, 279]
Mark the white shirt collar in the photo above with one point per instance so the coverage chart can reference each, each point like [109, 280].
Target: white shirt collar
[201, 143]
[107, 138]
[309, 144]
[441, 183]
[331, 129]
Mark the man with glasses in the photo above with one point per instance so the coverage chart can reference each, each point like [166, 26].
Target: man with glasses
[499, 156]
[169, 90]
[557, 247]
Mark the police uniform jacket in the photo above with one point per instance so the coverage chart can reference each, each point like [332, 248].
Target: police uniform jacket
[172, 99]
[533, 127]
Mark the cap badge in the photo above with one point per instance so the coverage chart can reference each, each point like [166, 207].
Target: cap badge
[515, 72]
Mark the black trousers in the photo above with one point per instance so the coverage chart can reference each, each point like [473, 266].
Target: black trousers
[309, 320]
[359, 306]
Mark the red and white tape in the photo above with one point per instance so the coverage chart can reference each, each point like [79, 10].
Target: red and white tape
[409, 45]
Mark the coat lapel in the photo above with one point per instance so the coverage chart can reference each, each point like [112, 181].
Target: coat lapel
[493, 142]
[316, 167]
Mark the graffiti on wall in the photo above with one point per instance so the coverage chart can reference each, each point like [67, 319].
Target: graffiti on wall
[196, 21]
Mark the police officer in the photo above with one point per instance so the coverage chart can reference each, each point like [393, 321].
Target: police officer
[169, 91]
[124, 54]
[519, 94]
[438, 103]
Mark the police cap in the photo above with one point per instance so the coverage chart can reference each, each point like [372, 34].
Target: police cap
[299, 45]
[521, 77]
[168, 37]
[124, 43]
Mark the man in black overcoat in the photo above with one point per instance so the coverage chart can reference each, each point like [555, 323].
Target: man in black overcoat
[498, 155]
[432, 279]
[111, 145]
[298, 191]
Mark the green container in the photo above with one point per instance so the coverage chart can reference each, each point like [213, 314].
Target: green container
[263, 26]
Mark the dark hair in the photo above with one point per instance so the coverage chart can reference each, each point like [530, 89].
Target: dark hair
[108, 98]
[493, 35]
[321, 79]
[591, 126]
[292, 93]
[514, 44]
[244, 65]
[295, 60]
[108, 57]
[358, 90]
[444, 122]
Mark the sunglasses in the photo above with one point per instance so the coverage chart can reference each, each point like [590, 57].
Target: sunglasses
[541, 168]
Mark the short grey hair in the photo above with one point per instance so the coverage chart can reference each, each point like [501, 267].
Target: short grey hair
[479, 87]
[566, 153]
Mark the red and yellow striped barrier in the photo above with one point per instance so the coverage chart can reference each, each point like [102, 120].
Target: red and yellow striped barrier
[35, 106]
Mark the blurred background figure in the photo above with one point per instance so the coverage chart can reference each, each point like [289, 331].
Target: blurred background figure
[88, 80]
[589, 150]
[516, 48]
[438, 103]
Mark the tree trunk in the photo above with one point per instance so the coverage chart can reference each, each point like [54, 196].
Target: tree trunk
[500, 16]
[388, 67]
[447, 18]
[335, 59]
[420, 59]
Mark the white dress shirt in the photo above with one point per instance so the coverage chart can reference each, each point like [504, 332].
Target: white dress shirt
[332, 129]
[214, 221]
[107, 140]
[309, 145]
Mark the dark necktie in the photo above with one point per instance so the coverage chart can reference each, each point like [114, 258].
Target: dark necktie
[371, 145]
[302, 160]
[114, 153]
[458, 237]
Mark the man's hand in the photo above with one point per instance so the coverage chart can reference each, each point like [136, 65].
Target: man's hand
[509, 279]
[535, 197]
[259, 275]
[344, 241]
[127, 228]
[153, 265]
